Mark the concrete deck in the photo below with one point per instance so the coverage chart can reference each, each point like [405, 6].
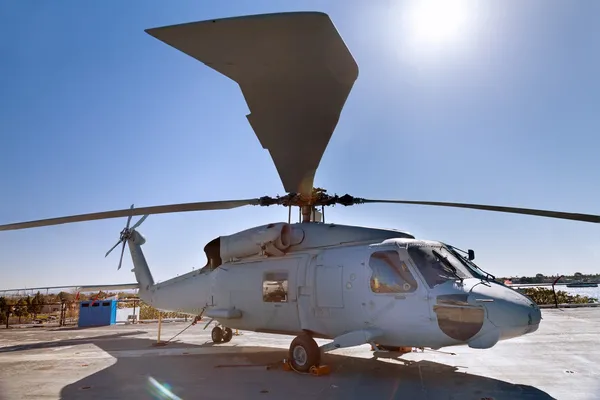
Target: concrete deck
[561, 360]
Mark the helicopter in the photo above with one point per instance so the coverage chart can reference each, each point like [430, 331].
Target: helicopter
[350, 285]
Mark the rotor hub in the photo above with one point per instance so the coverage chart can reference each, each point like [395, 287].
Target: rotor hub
[125, 234]
[318, 197]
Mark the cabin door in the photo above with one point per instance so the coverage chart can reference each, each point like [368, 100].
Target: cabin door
[336, 275]
[280, 295]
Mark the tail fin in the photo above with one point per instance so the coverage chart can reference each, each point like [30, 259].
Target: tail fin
[140, 266]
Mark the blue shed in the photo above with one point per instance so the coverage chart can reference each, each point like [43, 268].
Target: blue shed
[97, 313]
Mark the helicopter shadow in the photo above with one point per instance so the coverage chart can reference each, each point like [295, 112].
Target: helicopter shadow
[217, 371]
[95, 340]
[211, 371]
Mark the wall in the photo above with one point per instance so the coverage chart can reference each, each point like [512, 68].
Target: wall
[122, 313]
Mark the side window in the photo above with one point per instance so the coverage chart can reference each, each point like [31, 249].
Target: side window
[390, 274]
[275, 287]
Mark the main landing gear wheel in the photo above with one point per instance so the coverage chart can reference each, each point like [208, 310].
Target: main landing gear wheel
[217, 334]
[227, 334]
[304, 353]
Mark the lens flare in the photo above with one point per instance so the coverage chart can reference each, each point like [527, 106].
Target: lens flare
[161, 391]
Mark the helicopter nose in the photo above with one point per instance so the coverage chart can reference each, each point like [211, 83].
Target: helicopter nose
[509, 311]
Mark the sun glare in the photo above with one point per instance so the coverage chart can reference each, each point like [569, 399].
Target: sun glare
[435, 25]
[437, 21]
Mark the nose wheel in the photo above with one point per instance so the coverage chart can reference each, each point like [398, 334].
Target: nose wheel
[221, 334]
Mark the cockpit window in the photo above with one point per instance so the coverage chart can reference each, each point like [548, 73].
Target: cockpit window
[437, 264]
[475, 270]
[390, 273]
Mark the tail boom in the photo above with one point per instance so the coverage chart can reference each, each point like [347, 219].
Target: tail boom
[187, 294]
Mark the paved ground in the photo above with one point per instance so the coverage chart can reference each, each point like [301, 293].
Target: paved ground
[561, 360]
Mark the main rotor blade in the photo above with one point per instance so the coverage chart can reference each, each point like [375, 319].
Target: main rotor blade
[172, 208]
[513, 210]
[295, 73]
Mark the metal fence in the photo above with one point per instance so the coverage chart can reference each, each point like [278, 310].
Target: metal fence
[59, 314]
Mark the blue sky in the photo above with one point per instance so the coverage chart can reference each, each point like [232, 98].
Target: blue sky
[498, 108]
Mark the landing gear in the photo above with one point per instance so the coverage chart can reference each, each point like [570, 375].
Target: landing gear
[304, 353]
[219, 334]
[227, 334]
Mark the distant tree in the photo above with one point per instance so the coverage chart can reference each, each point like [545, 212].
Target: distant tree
[4, 310]
[28, 304]
[20, 309]
[51, 299]
[65, 297]
[36, 305]
[526, 279]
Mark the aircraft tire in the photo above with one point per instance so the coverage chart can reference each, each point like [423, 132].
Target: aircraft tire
[216, 335]
[227, 334]
[304, 353]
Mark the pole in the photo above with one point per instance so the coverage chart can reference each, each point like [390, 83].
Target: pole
[159, 326]
[61, 322]
[554, 291]
[134, 317]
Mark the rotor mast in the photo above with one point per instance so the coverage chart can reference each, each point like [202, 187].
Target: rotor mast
[307, 213]
[307, 204]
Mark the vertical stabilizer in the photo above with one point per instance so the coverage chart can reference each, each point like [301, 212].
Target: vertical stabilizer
[140, 266]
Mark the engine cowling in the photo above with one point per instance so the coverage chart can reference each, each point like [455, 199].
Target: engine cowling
[270, 240]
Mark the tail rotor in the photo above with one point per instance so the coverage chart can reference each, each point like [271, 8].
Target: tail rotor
[125, 235]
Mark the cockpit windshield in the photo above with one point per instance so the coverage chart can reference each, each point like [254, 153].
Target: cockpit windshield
[475, 270]
[438, 264]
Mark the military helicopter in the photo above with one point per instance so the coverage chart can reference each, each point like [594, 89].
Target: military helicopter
[352, 285]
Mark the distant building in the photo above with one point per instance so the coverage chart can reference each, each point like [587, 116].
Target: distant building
[50, 308]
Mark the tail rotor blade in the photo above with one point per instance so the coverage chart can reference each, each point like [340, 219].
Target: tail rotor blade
[121, 259]
[125, 235]
[112, 248]
[140, 221]
[129, 218]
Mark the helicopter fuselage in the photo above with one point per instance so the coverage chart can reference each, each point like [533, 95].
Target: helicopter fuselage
[397, 290]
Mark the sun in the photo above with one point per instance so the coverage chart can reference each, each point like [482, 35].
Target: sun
[434, 21]
[433, 25]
